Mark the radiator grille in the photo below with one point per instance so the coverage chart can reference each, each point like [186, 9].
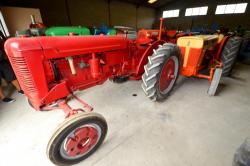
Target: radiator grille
[24, 77]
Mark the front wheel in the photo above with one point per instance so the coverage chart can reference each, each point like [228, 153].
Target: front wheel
[161, 72]
[77, 138]
[215, 82]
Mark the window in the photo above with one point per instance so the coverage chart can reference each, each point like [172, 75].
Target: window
[231, 8]
[171, 13]
[197, 11]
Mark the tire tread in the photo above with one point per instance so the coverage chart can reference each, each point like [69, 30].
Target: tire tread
[229, 55]
[153, 68]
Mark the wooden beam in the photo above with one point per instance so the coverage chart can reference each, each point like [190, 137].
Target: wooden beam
[139, 3]
[166, 4]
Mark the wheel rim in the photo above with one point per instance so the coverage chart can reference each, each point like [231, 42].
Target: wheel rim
[80, 141]
[168, 74]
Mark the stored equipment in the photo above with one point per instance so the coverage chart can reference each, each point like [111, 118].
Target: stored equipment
[65, 31]
[51, 69]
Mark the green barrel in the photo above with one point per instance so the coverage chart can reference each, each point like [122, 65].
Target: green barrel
[64, 31]
[111, 32]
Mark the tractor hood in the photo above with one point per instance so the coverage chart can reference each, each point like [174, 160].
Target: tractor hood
[55, 47]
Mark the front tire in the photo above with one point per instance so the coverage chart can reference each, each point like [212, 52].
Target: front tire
[215, 82]
[161, 72]
[77, 138]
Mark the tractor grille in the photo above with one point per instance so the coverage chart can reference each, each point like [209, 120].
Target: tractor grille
[24, 77]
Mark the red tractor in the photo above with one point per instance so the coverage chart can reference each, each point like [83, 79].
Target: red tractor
[50, 69]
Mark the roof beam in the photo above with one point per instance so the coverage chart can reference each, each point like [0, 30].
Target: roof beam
[139, 3]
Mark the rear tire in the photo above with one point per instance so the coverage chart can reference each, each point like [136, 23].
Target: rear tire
[77, 138]
[229, 55]
[161, 72]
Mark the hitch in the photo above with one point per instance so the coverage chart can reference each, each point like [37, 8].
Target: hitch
[63, 105]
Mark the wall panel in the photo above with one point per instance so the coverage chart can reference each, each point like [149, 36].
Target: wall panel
[228, 20]
[90, 12]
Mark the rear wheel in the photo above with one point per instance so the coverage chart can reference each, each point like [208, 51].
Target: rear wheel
[161, 72]
[77, 138]
[229, 54]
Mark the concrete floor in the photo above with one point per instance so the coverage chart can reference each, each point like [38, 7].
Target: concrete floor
[188, 129]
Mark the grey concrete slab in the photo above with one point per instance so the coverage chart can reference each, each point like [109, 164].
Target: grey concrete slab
[190, 128]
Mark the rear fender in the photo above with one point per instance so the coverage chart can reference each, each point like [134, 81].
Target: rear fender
[220, 47]
[144, 58]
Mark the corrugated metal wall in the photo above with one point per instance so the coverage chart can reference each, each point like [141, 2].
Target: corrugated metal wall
[227, 20]
[90, 12]
[99, 12]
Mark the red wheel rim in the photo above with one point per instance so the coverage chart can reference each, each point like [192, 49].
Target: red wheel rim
[81, 141]
[167, 75]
